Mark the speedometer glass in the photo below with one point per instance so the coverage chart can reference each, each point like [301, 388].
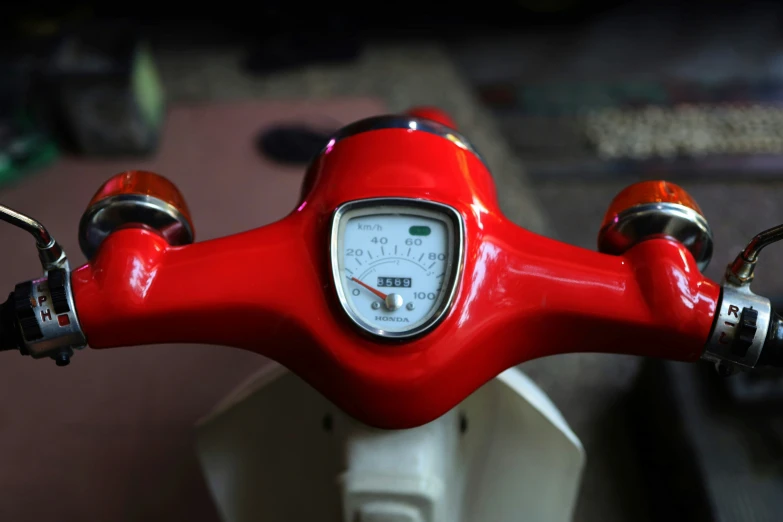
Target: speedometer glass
[396, 263]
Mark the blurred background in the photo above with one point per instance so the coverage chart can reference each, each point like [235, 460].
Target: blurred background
[568, 100]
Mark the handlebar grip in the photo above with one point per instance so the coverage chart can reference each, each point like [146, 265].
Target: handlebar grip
[772, 351]
[9, 333]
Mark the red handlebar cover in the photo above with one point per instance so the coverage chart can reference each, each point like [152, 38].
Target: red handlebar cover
[270, 290]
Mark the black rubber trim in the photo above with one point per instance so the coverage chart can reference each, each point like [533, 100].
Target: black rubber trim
[9, 333]
[25, 313]
[57, 291]
[772, 351]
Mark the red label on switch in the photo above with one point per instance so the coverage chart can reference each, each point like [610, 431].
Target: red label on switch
[63, 320]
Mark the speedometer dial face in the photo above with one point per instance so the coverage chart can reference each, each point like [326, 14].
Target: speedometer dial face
[396, 263]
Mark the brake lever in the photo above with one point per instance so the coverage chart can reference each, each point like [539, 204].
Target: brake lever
[740, 272]
[50, 252]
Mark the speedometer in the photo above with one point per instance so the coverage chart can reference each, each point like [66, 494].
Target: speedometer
[396, 263]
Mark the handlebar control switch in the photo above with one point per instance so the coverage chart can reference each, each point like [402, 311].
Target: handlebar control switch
[39, 318]
[740, 328]
[651, 210]
[136, 198]
[746, 333]
[46, 318]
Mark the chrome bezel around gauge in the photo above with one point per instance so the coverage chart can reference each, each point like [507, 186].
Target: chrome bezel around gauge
[401, 206]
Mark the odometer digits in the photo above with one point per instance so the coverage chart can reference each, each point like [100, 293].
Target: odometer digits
[395, 282]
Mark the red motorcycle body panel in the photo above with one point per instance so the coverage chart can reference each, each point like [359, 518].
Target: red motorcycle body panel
[270, 290]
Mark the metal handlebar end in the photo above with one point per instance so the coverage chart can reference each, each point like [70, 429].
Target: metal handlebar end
[746, 333]
[39, 318]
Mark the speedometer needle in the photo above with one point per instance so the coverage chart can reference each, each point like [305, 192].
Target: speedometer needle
[371, 289]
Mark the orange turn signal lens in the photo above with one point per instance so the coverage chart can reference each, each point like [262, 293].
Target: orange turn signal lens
[136, 197]
[143, 183]
[655, 209]
[646, 192]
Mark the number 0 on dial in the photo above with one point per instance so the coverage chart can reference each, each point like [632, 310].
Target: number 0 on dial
[396, 263]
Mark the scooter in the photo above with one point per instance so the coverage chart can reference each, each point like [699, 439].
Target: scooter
[397, 301]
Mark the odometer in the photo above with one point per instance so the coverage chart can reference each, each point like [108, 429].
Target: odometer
[395, 282]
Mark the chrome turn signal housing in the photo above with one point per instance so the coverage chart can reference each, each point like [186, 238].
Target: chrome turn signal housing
[656, 209]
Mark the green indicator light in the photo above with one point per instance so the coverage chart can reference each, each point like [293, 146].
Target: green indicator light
[419, 231]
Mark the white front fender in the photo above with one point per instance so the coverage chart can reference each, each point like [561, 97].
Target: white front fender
[276, 450]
